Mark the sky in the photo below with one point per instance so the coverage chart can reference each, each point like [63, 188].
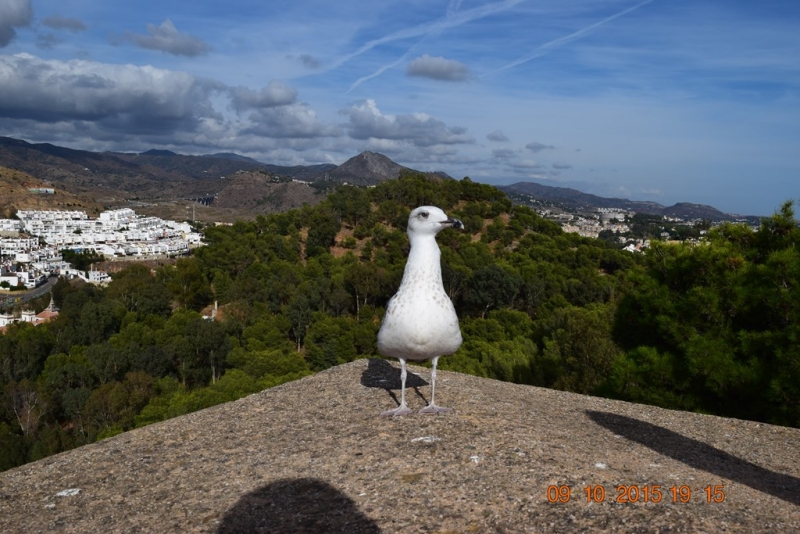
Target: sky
[661, 100]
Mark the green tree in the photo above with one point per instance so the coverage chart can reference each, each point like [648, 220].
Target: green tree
[188, 285]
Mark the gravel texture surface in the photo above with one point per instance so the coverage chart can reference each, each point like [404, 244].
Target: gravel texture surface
[314, 456]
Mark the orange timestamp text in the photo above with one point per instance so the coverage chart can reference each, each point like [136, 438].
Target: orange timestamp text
[625, 493]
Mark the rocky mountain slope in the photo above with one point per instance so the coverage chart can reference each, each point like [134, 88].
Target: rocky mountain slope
[163, 175]
[369, 168]
[315, 456]
[256, 192]
[16, 194]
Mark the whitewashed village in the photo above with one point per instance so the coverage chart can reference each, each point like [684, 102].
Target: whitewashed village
[31, 245]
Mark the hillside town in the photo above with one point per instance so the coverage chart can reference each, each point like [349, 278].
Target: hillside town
[618, 223]
[31, 245]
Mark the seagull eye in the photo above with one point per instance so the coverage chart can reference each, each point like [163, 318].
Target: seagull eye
[423, 214]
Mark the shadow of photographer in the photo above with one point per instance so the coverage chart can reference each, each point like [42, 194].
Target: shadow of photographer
[296, 506]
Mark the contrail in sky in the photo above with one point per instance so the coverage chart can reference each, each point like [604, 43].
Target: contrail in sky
[555, 43]
[453, 21]
[382, 69]
[450, 14]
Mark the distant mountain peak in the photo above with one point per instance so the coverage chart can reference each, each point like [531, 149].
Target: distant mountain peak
[156, 152]
[371, 168]
[367, 168]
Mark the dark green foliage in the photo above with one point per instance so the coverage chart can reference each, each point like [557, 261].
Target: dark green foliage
[491, 287]
[715, 327]
[81, 260]
[13, 448]
[140, 292]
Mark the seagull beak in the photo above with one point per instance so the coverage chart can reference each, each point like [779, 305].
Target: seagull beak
[455, 223]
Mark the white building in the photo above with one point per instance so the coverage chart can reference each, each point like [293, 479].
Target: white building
[110, 233]
[10, 225]
[12, 245]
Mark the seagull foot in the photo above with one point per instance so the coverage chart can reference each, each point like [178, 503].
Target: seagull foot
[432, 408]
[400, 410]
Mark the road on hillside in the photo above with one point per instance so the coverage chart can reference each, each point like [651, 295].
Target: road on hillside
[16, 297]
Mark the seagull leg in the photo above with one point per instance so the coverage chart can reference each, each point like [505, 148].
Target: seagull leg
[432, 408]
[403, 408]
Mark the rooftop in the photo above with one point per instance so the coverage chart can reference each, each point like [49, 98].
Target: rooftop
[314, 456]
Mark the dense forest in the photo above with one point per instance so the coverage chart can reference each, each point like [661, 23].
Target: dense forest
[711, 328]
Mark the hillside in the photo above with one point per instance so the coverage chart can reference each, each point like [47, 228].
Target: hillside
[314, 456]
[16, 194]
[162, 177]
[256, 192]
[575, 199]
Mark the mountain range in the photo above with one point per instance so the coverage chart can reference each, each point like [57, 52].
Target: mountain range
[526, 192]
[241, 186]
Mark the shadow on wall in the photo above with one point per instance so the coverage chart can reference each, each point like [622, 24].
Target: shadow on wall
[381, 374]
[701, 456]
[295, 506]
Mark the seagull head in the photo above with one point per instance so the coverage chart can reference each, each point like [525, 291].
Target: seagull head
[430, 220]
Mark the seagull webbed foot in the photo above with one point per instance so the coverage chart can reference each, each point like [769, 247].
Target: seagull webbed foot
[432, 408]
[400, 410]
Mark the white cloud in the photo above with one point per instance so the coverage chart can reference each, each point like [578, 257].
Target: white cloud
[538, 147]
[13, 14]
[274, 94]
[141, 99]
[504, 153]
[561, 166]
[438, 68]
[297, 120]
[167, 38]
[422, 130]
[526, 164]
[497, 136]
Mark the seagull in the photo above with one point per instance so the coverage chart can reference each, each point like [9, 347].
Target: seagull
[420, 321]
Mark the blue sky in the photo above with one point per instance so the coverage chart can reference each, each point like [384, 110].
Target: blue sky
[662, 100]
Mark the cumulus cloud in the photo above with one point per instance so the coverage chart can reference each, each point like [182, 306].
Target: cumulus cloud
[438, 68]
[58, 22]
[13, 14]
[121, 98]
[167, 38]
[296, 120]
[274, 94]
[503, 153]
[561, 166]
[497, 136]
[366, 121]
[538, 147]
[525, 165]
